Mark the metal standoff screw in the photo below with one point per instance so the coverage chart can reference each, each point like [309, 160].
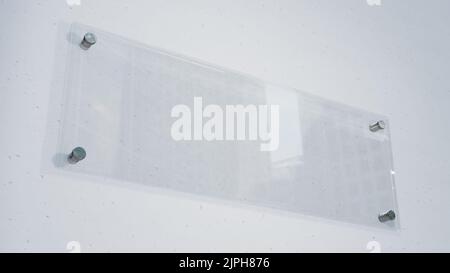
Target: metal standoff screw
[76, 155]
[388, 216]
[379, 125]
[89, 40]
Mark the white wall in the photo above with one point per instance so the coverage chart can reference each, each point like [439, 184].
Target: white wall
[391, 59]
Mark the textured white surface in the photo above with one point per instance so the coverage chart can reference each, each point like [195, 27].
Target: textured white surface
[391, 59]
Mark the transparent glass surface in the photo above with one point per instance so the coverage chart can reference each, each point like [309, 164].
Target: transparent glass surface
[118, 98]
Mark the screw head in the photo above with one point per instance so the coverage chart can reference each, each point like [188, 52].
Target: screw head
[379, 125]
[76, 155]
[89, 40]
[388, 216]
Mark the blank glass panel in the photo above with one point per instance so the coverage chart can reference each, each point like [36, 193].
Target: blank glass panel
[118, 101]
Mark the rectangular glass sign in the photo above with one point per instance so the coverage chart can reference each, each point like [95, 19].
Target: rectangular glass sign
[156, 118]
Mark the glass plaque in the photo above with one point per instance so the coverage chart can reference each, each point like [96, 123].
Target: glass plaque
[144, 115]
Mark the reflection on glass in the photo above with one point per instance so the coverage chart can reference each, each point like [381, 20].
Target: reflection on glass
[119, 105]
